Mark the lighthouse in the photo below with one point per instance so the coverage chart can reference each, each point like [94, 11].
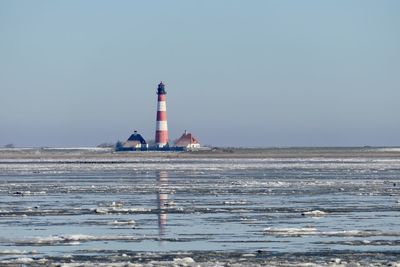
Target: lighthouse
[161, 125]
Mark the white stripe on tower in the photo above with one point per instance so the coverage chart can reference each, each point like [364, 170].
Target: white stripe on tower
[161, 125]
[162, 106]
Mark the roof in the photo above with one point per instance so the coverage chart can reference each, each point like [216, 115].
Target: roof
[186, 139]
[161, 88]
[137, 137]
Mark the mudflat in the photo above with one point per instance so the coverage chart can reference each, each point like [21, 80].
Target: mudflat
[110, 154]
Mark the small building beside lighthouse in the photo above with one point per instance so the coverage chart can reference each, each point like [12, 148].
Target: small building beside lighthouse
[135, 142]
[187, 142]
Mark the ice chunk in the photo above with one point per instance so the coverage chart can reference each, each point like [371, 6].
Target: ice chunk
[101, 210]
[184, 261]
[291, 231]
[128, 222]
[314, 213]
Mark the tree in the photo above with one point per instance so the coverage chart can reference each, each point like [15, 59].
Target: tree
[119, 146]
[105, 145]
[9, 146]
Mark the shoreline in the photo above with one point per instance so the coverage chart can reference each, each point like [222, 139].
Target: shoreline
[215, 153]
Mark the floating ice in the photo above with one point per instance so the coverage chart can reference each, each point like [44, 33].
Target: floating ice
[239, 202]
[337, 260]
[184, 261]
[69, 239]
[291, 231]
[116, 204]
[129, 222]
[15, 252]
[101, 210]
[222, 204]
[24, 260]
[314, 213]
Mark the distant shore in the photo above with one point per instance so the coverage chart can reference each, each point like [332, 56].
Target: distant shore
[110, 154]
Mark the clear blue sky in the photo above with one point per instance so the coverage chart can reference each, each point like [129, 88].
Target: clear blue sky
[237, 73]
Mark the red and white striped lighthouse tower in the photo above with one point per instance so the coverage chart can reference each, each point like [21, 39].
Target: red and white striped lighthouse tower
[161, 126]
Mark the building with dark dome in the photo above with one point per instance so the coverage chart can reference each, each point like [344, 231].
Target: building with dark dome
[135, 142]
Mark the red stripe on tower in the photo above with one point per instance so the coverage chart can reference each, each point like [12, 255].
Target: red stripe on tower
[161, 125]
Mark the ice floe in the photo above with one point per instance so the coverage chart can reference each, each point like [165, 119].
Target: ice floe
[291, 231]
[128, 222]
[67, 239]
[314, 213]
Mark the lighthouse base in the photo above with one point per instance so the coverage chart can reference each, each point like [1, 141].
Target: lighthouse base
[161, 145]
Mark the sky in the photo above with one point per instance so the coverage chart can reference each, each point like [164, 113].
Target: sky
[237, 73]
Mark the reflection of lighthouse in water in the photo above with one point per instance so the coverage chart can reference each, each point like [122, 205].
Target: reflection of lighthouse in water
[162, 198]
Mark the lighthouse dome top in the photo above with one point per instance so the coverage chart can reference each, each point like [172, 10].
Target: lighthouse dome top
[161, 88]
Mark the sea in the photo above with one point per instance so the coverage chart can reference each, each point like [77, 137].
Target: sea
[337, 210]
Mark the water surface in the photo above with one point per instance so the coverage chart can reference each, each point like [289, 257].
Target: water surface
[316, 208]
